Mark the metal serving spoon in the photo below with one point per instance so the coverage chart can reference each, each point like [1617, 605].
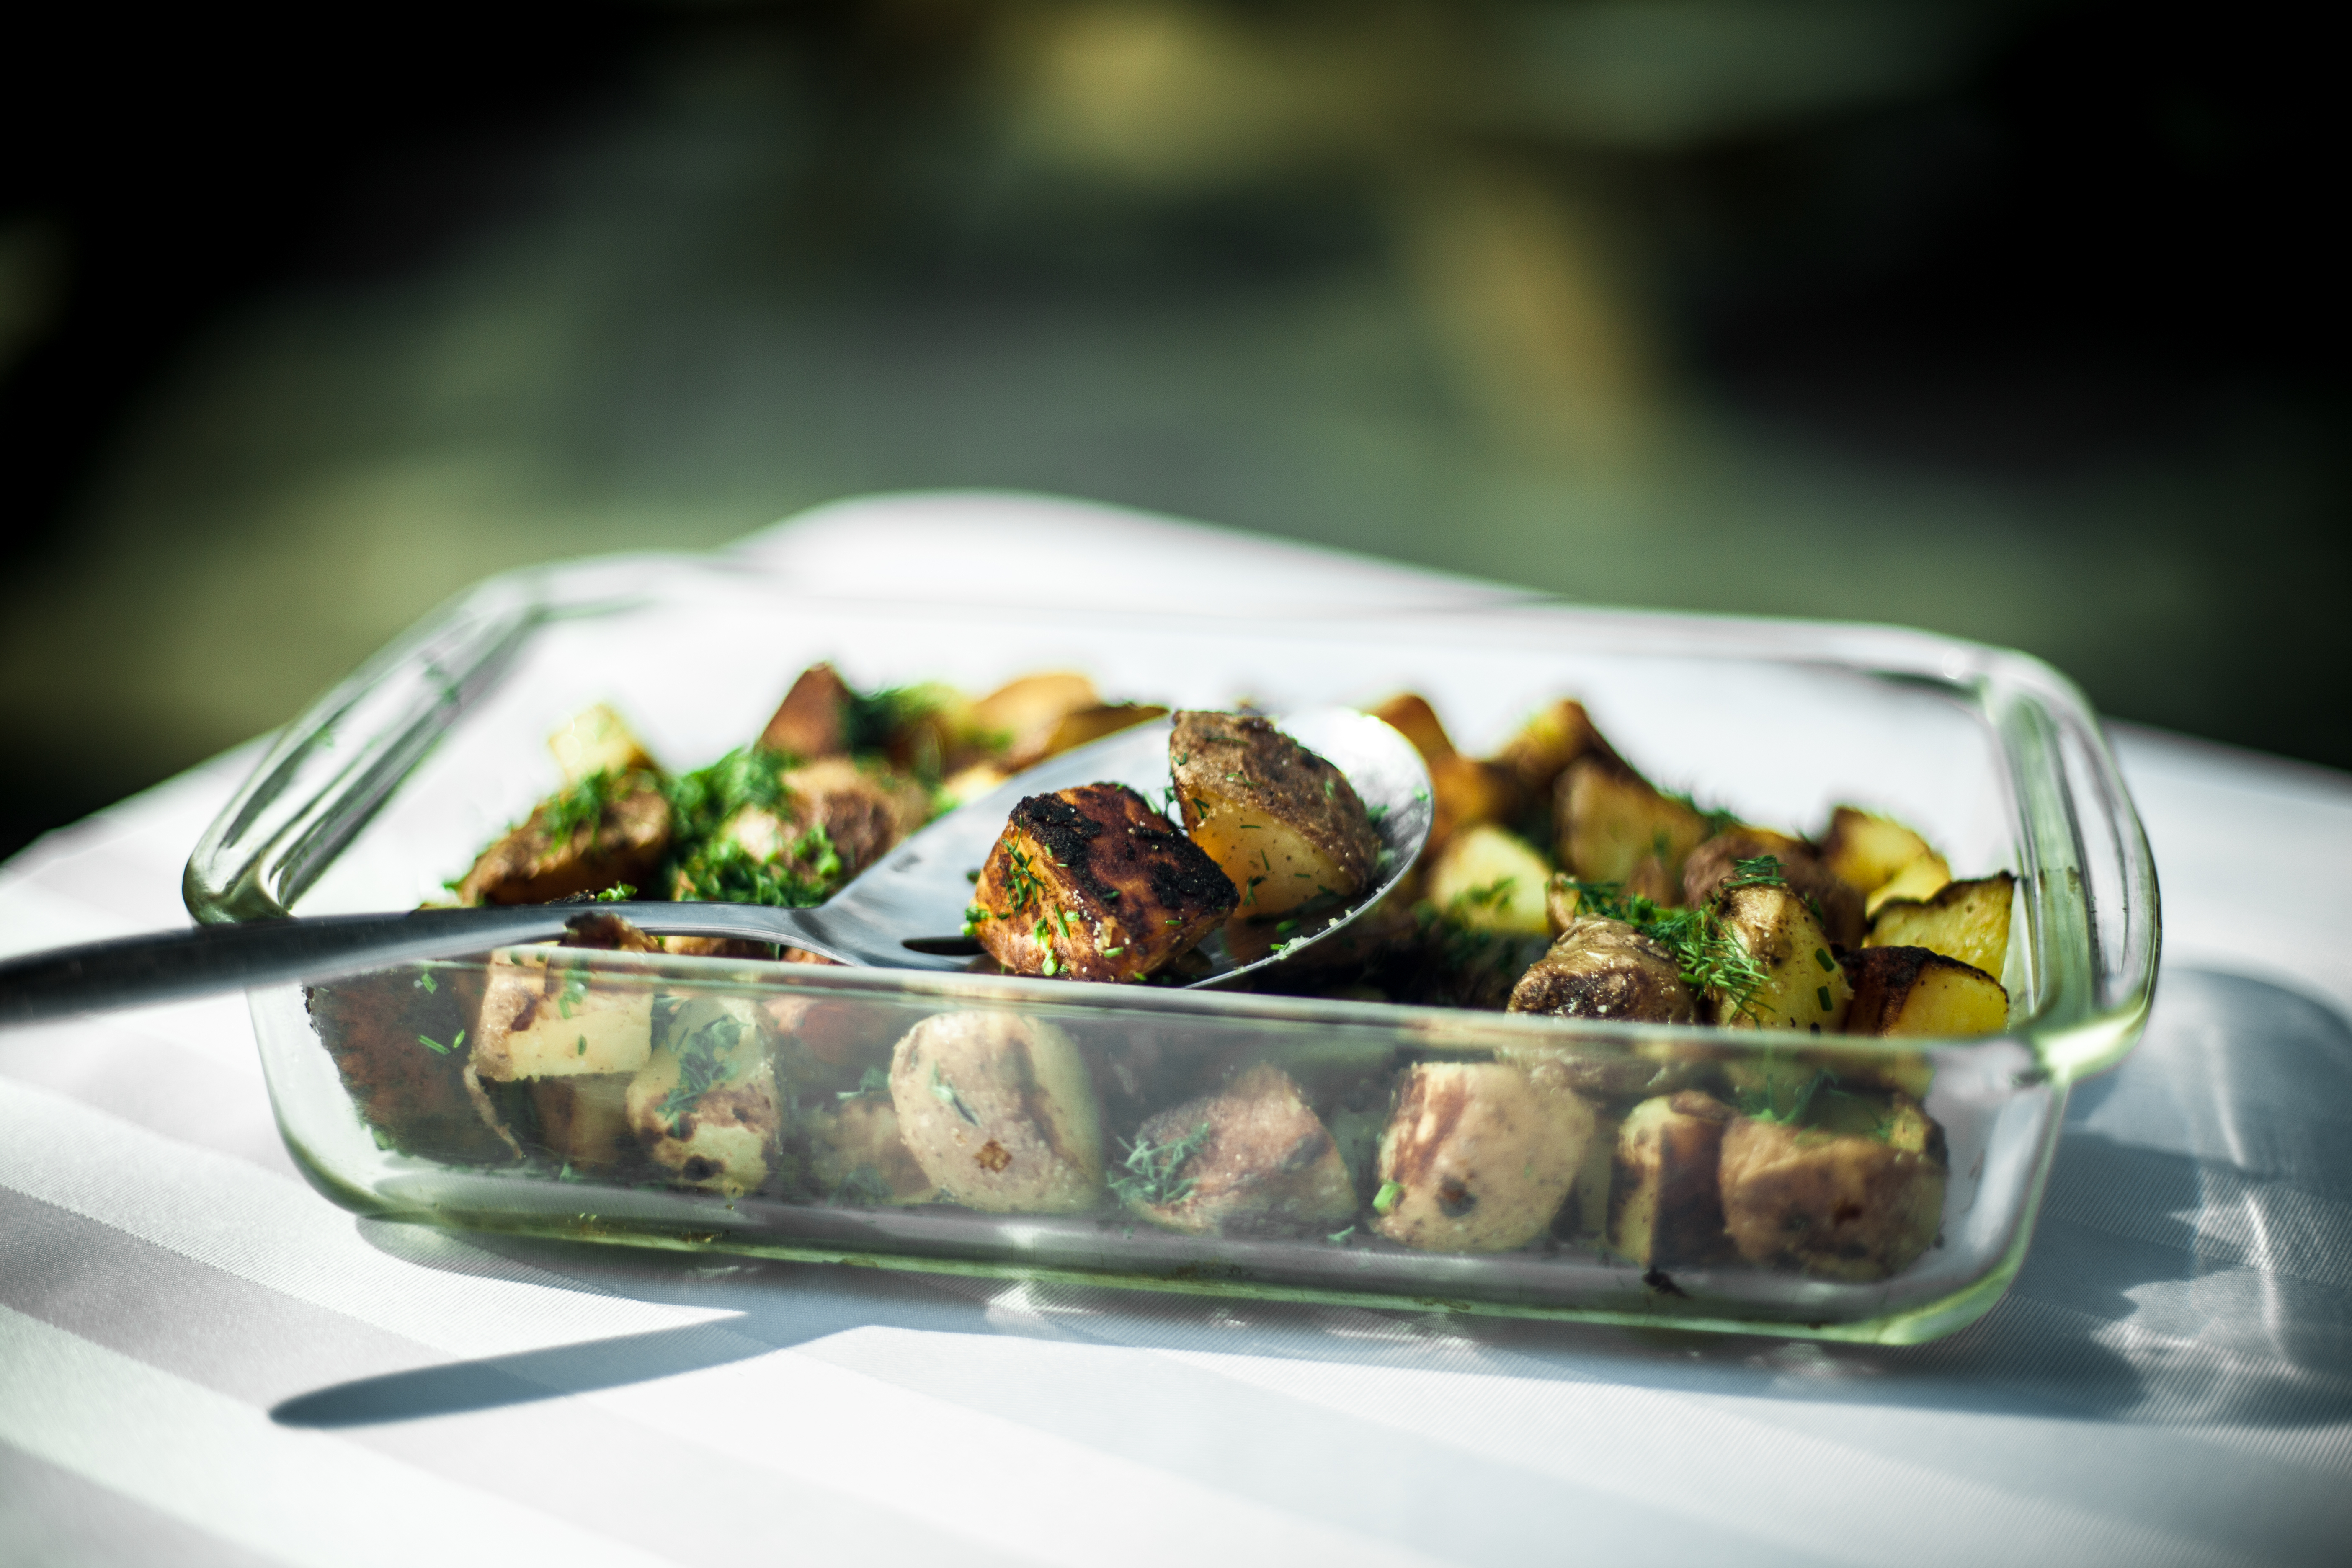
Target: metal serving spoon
[897, 914]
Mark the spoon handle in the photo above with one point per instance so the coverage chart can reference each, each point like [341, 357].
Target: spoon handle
[165, 966]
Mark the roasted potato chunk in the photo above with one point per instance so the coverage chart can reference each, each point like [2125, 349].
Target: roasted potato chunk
[544, 1015]
[1282, 823]
[1410, 715]
[1489, 878]
[608, 828]
[1916, 991]
[814, 720]
[1865, 851]
[1922, 879]
[598, 741]
[1251, 1158]
[705, 1105]
[1608, 819]
[585, 1122]
[1833, 1200]
[1000, 1113]
[1837, 906]
[856, 1155]
[1556, 736]
[1478, 1156]
[1079, 727]
[1464, 794]
[399, 1039]
[1966, 920]
[1092, 883]
[1796, 984]
[1666, 1210]
[831, 820]
[1605, 969]
[1018, 718]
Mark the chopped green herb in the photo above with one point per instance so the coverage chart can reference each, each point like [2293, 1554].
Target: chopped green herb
[575, 993]
[701, 1065]
[1821, 957]
[944, 1092]
[1823, 993]
[874, 1080]
[1113, 951]
[436, 1047]
[1707, 956]
[1386, 1198]
[582, 1049]
[619, 892]
[426, 982]
[1339, 1238]
[1151, 1174]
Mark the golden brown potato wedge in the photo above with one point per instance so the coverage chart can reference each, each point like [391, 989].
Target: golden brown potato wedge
[546, 1016]
[1478, 1156]
[1554, 737]
[1489, 878]
[585, 1122]
[1865, 851]
[1078, 728]
[1017, 717]
[606, 829]
[1093, 884]
[1966, 920]
[1464, 794]
[598, 741]
[705, 1106]
[1608, 820]
[856, 1155]
[1251, 1158]
[812, 721]
[1835, 905]
[1922, 879]
[1916, 991]
[1795, 982]
[1000, 1113]
[1665, 1208]
[1605, 969]
[1280, 821]
[1847, 1205]
[1410, 715]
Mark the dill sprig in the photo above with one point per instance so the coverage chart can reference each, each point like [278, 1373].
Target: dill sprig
[726, 872]
[578, 806]
[1707, 956]
[1716, 819]
[701, 1066]
[1151, 1174]
[702, 802]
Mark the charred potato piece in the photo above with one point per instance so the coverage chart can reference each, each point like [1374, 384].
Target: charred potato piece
[542, 1017]
[705, 1106]
[1478, 1156]
[856, 1155]
[398, 1039]
[1865, 851]
[1713, 863]
[1666, 1210]
[1547, 743]
[1251, 1158]
[1605, 969]
[1608, 819]
[607, 829]
[1916, 991]
[1489, 878]
[1964, 920]
[812, 721]
[585, 1122]
[598, 741]
[1860, 1198]
[1282, 823]
[1798, 986]
[1092, 883]
[1000, 1113]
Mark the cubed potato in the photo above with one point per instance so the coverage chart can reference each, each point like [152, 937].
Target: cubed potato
[399, 1039]
[1464, 792]
[1922, 879]
[1865, 851]
[1017, 717]
[705, 1106]
[1797, 984]
[607, 829]
[1915, 991]
[812, 721]
[971, 782]
[598, 741]
[1966, 920]
[1251, 1158]
[856, 1155]
[1846, 1205]
[585, 1122]
[1605, 969]
[1553, 737]
[1410, 715]
[1489, 878]
[1000, 1112]
[544, 1015]
[1665, 1208]
[1563, 903]
[1078, 728]
[830, 820]
[1586, 1213]
[1093, 884]
[1608, 819]
[1837, 906]
[1478, 1156]
[1279, 820]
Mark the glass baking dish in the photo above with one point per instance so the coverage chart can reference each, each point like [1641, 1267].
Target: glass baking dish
[394, 780]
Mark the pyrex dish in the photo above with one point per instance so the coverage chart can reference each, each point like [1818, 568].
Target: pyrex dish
[394, 781]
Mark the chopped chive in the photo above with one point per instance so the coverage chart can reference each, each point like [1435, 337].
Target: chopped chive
[1823, 993]
[1821, 957]
[1386, 1198]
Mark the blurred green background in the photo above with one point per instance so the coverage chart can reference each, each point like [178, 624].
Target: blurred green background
[2014, 320]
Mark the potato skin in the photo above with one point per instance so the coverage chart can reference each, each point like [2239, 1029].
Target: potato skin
[1665, 1208]
[1837, 905]
[812, 721]
[1251, 793]
[1840, 1205]
[1605, 969]
[1914, 991]
[1967, 921]
[542, 1018]
[1000, 1113]
[1268, 1165]
[1092, 883]
[1608, 819]
[1480, 1154]
[1552, 739]
[534, 864]
[1866, 851]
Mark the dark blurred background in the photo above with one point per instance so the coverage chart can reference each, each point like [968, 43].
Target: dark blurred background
[2015, 319]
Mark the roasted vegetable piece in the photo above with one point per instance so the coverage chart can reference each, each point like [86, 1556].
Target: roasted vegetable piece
[1866, 851]
[856, 1155]
[1837, 906]
[585, 1122]
[1608, 820]
[1556, 736]
[606, 829]
[598, 741]
[1914, 991]
[1251, 1158]
[1280, 821]
[705, 1106]
[547, 1016]
[1792, 981]
[1489, 878]
[1092, 883]
[1922, 879]
[1478, 1156]
[1605, 969]
[399, 1037]
[1019, 717]
[814, 720]
[1000, 1113]
[1410, 715]
[1966, 920]
[1859, 1198]
[823, 823]
[1077, 728]
[1665, 1208]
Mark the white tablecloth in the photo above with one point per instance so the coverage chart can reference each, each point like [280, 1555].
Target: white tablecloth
[202, 1361]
